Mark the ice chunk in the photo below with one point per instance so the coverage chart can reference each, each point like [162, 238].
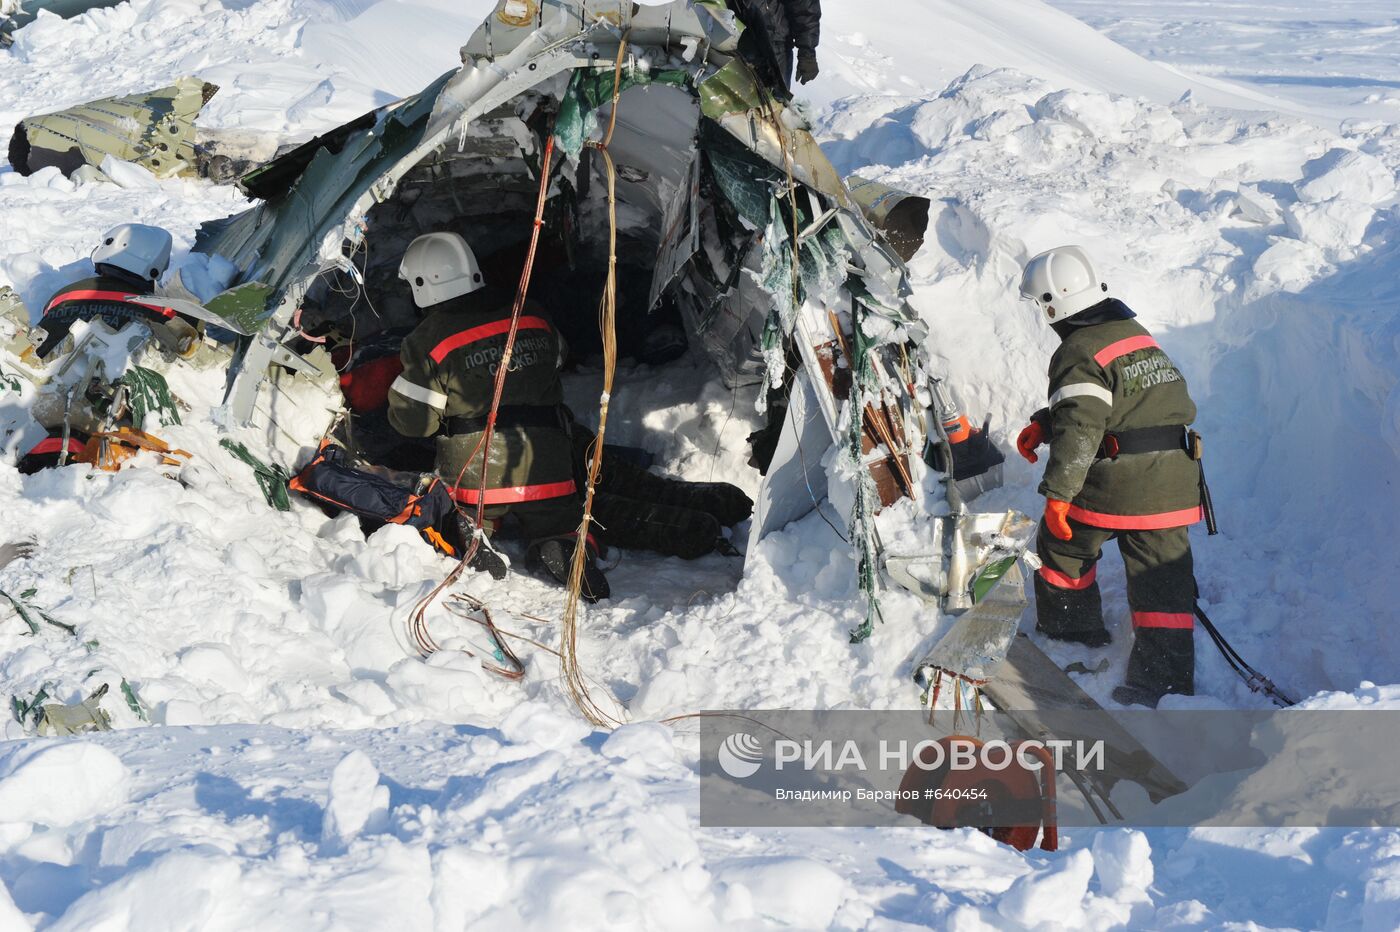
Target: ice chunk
[539, 724]
[457, 902]
[1052, 895]
[215, 664]
[1256, 206]
[1102, 117]
[182, 712]
[1357, 176]
[127, 175]
[1287, 265]
[395, 556]
[1123, 862]
[1381, 908]
[51, 177]
[793, 890]
[641, 749]
[356, 801]
[663, 694]
[1333, 224]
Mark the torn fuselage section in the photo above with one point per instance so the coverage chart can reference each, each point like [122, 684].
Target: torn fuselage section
[729, 219]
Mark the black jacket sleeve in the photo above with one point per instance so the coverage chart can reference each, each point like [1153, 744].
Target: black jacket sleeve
[804, 22]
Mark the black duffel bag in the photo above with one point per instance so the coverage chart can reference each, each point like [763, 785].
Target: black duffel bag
[331, 481]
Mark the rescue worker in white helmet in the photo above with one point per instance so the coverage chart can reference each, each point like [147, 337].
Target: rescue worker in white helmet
[1122, 465]
[450, 361]
[128, 261]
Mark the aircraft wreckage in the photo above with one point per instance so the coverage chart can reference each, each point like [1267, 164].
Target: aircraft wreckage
[790, 278]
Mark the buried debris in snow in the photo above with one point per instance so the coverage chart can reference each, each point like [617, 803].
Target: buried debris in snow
[154, 130]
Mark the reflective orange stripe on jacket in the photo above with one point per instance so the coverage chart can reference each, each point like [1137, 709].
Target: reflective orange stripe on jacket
[484, 332]
[118, 297]
[514, 494]
[1123, 347]
[1157, 522]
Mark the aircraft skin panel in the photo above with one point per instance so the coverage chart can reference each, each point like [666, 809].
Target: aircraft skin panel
[795, 482]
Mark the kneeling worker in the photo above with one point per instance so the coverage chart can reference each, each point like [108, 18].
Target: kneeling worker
[450, 362]
[1122, 465]
[129, 261]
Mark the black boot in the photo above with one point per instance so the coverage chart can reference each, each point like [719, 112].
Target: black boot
[556, 556]
[1136, 695]
[726, 502]
[1073, 615]
[485, 560]
[488, 561]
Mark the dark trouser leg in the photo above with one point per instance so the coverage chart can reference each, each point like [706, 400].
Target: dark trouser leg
[551, 527]
[1162, 596]
[727, 503]
[666, 529]
[551, 517]
[1068, 606]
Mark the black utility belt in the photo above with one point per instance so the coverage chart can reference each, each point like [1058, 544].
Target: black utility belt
[509, 416]
[1150, 440]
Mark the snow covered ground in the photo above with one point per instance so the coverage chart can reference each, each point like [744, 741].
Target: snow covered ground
[310, 774]
[1339, 57]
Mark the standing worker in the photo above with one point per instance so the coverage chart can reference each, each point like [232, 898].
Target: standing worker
[450, 361]
[1122, 465]
[773, 28]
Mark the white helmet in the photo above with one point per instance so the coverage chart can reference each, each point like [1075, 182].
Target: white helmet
[1062, 282]
[136, 248]
[439, 267]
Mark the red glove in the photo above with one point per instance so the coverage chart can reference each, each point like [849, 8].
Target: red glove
[1032, 436]
[1057, 518]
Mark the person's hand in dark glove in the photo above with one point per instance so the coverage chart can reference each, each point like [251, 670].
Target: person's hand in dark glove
[807, 65]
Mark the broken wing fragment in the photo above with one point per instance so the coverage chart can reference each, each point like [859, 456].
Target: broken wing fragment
[154, 130]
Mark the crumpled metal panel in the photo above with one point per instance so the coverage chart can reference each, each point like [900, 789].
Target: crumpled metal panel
[733, 100]
[592, 91]
[669, 24]
[155, 130]
[279, 242]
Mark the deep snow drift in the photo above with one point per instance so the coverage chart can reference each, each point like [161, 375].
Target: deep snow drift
[324, 778]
